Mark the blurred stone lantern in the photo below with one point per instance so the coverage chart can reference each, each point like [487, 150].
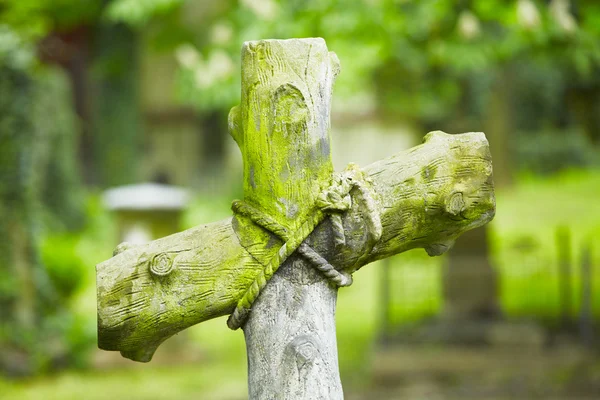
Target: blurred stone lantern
[146, 211]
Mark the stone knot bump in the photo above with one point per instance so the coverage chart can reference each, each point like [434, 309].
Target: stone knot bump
[455, 203]
[162, 264]
[332, 201]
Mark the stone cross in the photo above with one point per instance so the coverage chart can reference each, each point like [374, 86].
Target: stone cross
[299, 233]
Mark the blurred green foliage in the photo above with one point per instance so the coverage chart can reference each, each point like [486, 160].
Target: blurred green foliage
[34, 19]
[436, 41]
[434, 63]
[139, 12]
[415, 53]
[549, 152]
[462, 35]
[40, 199]
[63, 263]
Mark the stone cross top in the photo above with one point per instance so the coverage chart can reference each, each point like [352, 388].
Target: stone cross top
[299, 233]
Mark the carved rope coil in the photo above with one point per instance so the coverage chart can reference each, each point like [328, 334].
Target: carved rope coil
[333, 201]
[268, 223]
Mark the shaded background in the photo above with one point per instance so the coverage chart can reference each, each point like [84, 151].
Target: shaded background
[98, 94]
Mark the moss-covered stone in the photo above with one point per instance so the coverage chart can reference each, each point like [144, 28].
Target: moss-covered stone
[424, 197]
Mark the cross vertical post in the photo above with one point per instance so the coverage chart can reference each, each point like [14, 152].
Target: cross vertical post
[282, 128]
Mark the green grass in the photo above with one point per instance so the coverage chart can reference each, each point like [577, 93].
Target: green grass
[524, 239]
[216, 381]
[524, 252]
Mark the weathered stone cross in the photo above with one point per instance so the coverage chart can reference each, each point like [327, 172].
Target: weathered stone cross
[299, 233]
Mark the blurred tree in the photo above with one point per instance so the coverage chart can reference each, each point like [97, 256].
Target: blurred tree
[428, 61]
[583, 22]
[83, 39]
[39, 190]
[116, 119]
[18, 241]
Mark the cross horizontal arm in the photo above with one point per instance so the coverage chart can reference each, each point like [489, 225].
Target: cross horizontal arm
[147, 293]
[426, 197]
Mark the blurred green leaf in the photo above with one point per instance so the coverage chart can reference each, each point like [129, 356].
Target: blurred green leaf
[63, 263]
[138, 12]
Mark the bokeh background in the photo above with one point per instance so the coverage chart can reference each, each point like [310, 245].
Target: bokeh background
[99, 94]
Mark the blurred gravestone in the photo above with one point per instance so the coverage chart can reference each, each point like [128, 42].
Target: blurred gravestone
[299, 233]
[469, 282]
[586, 315]
[565, 275]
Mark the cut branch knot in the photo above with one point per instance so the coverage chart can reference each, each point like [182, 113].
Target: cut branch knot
[333, 201]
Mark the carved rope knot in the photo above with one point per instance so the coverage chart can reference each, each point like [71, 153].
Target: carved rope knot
[336, 198]
[332, 201]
